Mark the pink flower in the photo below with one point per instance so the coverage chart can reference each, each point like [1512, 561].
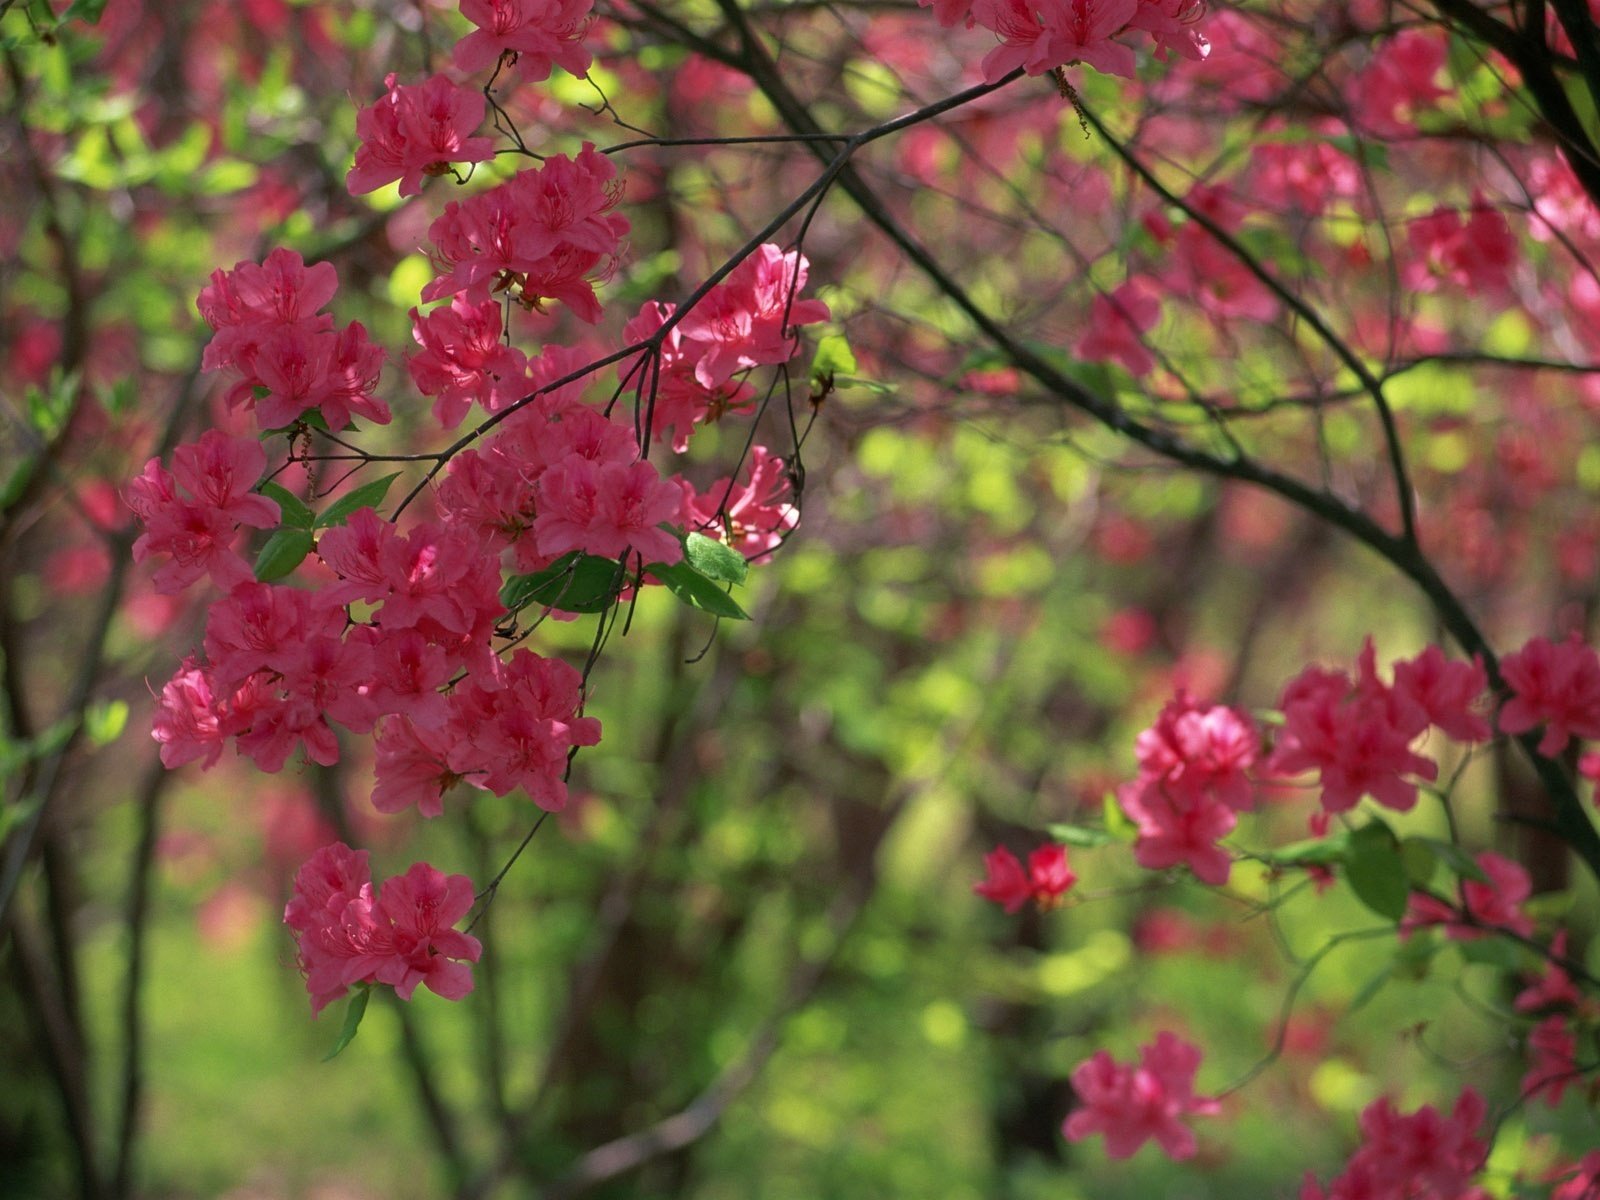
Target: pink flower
[675, 400]
[1553, 1048]
[1496, 904]
[543, 234]
[463, 359]
[1041, 36]
[1356, 734]
[1425, 1149]
[753, 517]
[420, 907]
[1005, 882]
[1116, 322]
[1399, 81]
[1446, 692]
[402, 937]
[1476, 254]
[540, 35]
[1585, 1184]
[1172, 834]
[197, 533]
[607, 509]
[1046, 880]
[513, 725]
[750, 318]
[1135, 1104]
[416, 131]
[1556, 685]
[1554, 988]
[186, 724]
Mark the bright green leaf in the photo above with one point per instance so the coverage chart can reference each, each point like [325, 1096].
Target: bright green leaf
[283, 552]
[294, 513]
[1080, 835]
[353, 1012]
[576, 583]
[695, 590]
[714, 559]
[834, 357]
[368, 495]
[104, 721]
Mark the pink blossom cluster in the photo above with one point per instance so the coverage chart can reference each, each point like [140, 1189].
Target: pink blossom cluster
[1422, 1156]
[1191, 786]
[1357, 733]
[536, 35]
[1474, 252]
[196, 532]
[545, 234]
[1047, 878]
[1042, 35]
[287, 356]
[396, 634]
[1133, 1103]
[416, 131]
[401, 933]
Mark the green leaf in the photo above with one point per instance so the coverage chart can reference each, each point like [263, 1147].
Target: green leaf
[283, 552]
[1492, 952]
[17, 481]
[1376, 872]
[834, 357]
[1311, 852]
[1117, 823]
[1420, 862]
[85, 10]
[1454, 857]
[104, 721]
[576, 583]
[714, 559]
[1080, 835]
[876, 386]
[353, 1012]
[695, 590]
[368, 495]
[294, 513]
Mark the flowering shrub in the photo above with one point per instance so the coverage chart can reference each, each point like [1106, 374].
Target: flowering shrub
[1324, 255]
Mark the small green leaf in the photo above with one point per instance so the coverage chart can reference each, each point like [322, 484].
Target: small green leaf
[1376, 872]
[1080, 835]
[833, 357]
[695, 590]
[104, 721]
[17, 482]
[576, 583]
[283, 552]
[294, 513]
[1117, 823]
[714, 559]
[368, 495]
[85, 10]
[1312, 852]
[353, 1012]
